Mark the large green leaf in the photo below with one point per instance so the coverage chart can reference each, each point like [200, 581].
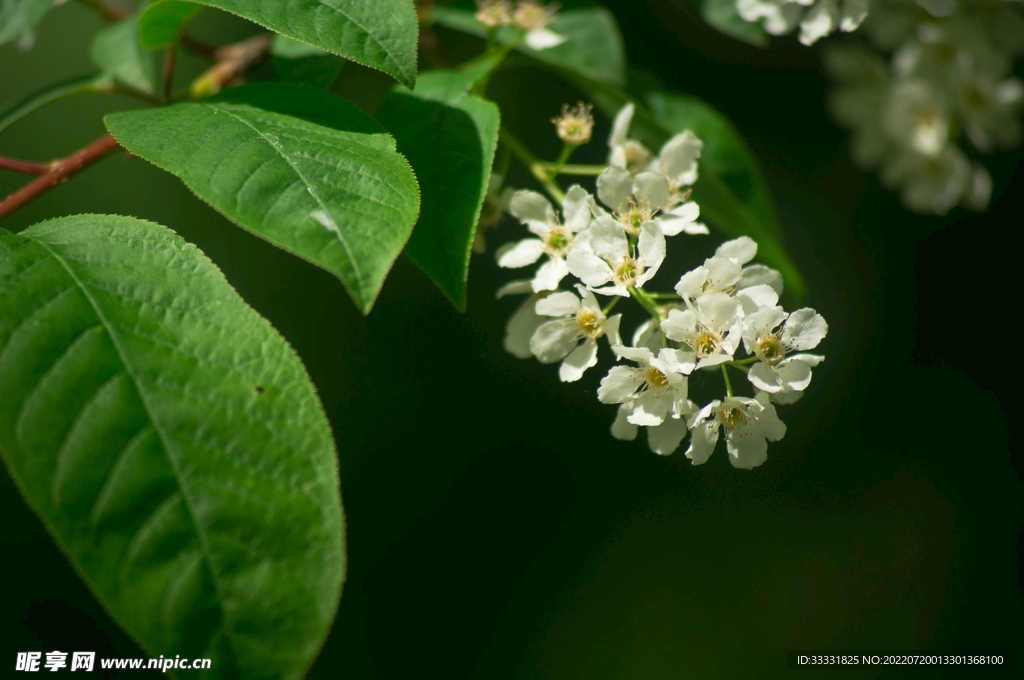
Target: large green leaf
[303, 169]
[743, 209]
[18, 18]
[722, 15]
[449, 137]
[171, 442]
[380, 34]
[118, 52]
[594, 47]
[162, 21]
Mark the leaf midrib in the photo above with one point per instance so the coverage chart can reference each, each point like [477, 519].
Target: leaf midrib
[129, 369]
[312, 192]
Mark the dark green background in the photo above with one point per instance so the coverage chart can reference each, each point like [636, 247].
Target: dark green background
[496, 530]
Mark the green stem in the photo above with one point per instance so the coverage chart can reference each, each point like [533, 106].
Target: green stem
[728, 383]
[556, 168]
[611, 305]
[535, 167]
[646, 302]
[744, 362]
[665, 296]
[577, 170]
[100, 83]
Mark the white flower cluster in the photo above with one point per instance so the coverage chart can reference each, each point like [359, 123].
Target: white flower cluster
[531, 16]
[816, 18]
[950, 77]
[614, 245]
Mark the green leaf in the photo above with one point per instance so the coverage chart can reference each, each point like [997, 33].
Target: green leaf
[171, 442]
[298, 62]
[743, 209]
[162, 22]
[722, 15]
[594, 48]
[726, 155]
[307, 171]
[117, 51]
[449, 137]
[18, 18]
[381, 34]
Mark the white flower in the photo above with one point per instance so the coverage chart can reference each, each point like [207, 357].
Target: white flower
[678, 158]
[656, 388]
[604, 256]
[710, 328]
[580, 318]
[624, 152]
[916, 116]
[646, 197]
[725, 273]
[823, 17]
[932, 184]
[748, 424]
[662, 439]
[554, 239]
[772, 335]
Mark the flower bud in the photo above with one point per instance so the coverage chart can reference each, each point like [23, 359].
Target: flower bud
[494, 13]
[576, 124]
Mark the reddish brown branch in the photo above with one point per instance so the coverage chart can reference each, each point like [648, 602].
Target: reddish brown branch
[59, 172]
[27, 167]
[232, 62]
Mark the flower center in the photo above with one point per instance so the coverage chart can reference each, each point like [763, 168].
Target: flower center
[588, 323]
[558, 240]
[627, 271]
[576, 125]
[637, 156]
[731, 417]
[705, 344]
[633, 217]
[493, 13]
[655, 378]
[531, 16]
[770, 349]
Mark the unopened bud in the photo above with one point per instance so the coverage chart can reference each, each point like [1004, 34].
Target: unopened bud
[576, 124]
[532, 15]
[494, 13]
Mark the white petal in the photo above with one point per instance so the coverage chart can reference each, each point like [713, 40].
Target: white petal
[723, 273]
[652, 251]
[611, 330]
[756, 297]
[550, 274]
[768, 420]
[679, 219]
[554, 340]
[741, 250]
[614, 187]
[576, 208]
[854, 13]
[702, 442]
[529, 206]
[651, 408]
[747, 446]
[649, 335]
[763, 377]
[620, 129]
[589, 268]
[622, 428]
[809, 359]
[819, 22]
[520, 287]
[680, 325]
[641, 355]
[651, 188]
[543, 38]
[757, 274]
[558, 304]
[794, 374]
[676, 361]
[696, 228]
[619, 385]
[666, 438]
[589, 301]
[521, 326]
[606, 239]
[691, 284]
[578, 361]
[521, 254]
[678, 158]
[804, 329]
